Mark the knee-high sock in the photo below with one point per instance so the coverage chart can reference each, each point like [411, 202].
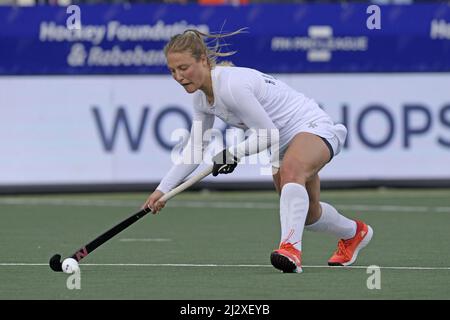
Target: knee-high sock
[294, 204]
[334, 223]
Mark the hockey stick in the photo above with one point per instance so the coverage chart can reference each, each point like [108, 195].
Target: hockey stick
[55, 261]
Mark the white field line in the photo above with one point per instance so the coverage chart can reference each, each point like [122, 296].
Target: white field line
[180, 265]
[210, 204]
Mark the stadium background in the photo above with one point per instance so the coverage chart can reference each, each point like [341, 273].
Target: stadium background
[96, 108]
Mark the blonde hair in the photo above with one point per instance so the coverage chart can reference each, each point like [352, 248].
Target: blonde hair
[192, 40]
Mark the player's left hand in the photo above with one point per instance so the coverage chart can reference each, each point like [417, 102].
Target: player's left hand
[224, 162]
[154, 202]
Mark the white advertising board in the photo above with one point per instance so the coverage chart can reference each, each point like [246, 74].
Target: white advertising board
[103, 129]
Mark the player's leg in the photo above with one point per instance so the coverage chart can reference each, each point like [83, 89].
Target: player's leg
[306, 155]
[322, 217]
[276, 179]
[313, 190]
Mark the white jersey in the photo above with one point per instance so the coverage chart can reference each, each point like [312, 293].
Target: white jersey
[248, 99]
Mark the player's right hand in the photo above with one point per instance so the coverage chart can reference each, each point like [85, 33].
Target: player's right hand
[154, 203]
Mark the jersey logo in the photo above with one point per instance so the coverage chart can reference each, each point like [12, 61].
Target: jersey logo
[312, 125]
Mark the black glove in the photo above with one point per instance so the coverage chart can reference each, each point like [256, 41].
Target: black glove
[224, 162]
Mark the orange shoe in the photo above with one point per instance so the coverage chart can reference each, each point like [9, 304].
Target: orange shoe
[347, 250]
[287, 258]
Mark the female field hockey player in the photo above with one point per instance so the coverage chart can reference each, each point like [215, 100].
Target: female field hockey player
[308, 140]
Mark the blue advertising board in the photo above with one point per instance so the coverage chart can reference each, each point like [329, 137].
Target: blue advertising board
[128, 39]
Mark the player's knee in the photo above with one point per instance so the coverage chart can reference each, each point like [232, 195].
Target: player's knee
[293, 172]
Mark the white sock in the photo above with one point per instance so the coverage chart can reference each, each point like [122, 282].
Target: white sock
[332, 222]
[294, 204]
